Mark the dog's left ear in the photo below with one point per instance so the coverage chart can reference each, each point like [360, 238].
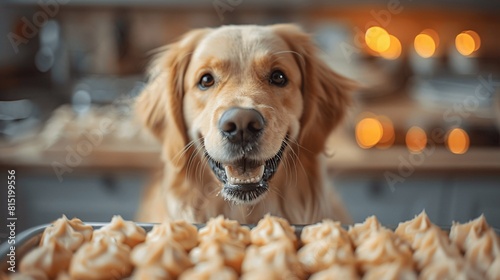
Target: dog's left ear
[325, 93]
[160, 104]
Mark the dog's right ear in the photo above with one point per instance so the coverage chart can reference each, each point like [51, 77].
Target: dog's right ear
[326, 94]
[159, 106]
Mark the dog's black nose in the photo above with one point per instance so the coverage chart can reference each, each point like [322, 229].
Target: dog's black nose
[241, 125]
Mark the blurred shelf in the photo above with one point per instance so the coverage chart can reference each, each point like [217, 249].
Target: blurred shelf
[66, 142]
[352, 158]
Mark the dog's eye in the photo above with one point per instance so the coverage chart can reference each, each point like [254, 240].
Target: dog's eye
[277, 78]
[206, 81]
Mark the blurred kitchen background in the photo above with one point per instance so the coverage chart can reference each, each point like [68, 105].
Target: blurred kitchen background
[424, 131]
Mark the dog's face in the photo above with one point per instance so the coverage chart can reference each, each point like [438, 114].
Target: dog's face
[243, 102]
[241, 97]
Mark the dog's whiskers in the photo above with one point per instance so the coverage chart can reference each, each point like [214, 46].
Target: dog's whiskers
[200, 165]
[300, 147]
[192, 157]
[182, 152]
[203, 165]
[295, 159]
[288, 169]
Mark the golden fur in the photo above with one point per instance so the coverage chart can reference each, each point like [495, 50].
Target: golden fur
[184, 119]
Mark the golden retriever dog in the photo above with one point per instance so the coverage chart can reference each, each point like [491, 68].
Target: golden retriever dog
[242, 114]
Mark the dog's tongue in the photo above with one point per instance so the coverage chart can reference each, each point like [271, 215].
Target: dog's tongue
[236, 176]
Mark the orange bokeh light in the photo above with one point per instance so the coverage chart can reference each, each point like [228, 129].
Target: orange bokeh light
[369, 131]
[377, 39]
[475, 36]
[424, 44]
[467, 42]
[416, 139]
[458, 141]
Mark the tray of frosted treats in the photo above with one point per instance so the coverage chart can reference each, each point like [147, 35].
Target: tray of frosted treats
[271, 249]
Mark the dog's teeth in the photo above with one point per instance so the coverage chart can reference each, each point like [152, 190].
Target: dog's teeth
[234, 177]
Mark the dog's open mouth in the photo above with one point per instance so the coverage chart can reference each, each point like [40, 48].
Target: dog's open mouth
[246, 180]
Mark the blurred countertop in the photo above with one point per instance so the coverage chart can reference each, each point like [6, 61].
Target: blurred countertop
[125, 146]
